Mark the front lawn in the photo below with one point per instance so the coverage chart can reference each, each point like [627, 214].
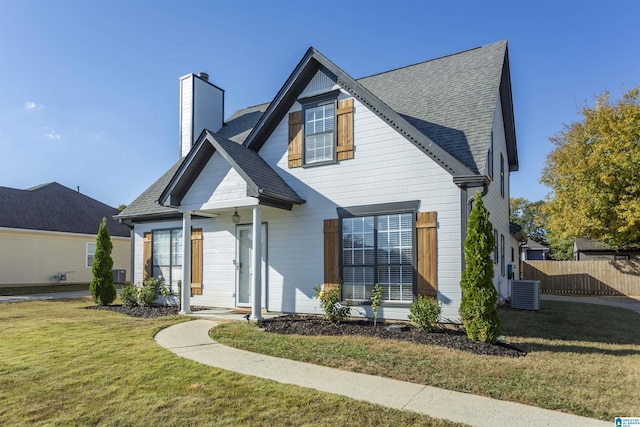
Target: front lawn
[582, 358]
[61, 364]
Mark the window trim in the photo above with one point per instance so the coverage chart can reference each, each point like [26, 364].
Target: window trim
[502, 255]
[313, 102]
[86, 258]
[375, 211]
[502, 175]
[490, 156]
[171, 266]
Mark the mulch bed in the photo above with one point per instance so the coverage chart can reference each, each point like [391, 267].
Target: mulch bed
[317, 325]
[139, 311]
[444, 337]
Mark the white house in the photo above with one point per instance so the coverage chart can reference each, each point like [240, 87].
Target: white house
[361, 181]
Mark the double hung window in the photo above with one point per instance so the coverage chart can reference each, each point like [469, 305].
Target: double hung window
[378, 249]
[91, 252]
[319, 135]
[167, 256]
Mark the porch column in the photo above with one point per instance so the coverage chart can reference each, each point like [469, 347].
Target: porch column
[185, 306]
[256, 263]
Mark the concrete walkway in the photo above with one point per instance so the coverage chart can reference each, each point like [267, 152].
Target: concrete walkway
[42, 297]
[630, 303]
[191, 340]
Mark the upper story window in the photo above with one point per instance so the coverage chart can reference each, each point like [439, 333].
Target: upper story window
[490, 157]
[322, 132]
[319, 136]
[502, 175]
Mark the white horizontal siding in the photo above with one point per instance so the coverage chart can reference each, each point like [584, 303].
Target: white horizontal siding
[386, 168]
[218, 182]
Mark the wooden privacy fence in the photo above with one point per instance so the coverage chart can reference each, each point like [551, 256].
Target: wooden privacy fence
[585, 277]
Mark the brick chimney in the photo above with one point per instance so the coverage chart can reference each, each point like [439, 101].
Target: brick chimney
[201, 107]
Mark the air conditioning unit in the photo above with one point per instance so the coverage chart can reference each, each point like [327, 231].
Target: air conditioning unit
[119, 276]
[525, 294]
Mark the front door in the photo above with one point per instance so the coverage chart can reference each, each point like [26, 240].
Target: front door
[244, 259]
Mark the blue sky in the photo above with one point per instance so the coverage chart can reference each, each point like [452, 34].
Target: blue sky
[89, 89]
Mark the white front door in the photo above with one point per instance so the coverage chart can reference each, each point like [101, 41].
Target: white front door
[244, 269]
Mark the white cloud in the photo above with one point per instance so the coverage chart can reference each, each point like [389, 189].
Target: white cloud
[30, 105]
[53, 135]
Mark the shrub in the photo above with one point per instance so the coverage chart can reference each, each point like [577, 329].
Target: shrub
[101, 286]
[334, 310]
[129, 295]
[376, 302]
[149, 291]
[424, 313]
[479, 297]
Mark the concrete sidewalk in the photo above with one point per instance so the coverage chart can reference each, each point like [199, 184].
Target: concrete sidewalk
[191, 340]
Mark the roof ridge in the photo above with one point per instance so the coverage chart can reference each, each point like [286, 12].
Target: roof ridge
[432, 60]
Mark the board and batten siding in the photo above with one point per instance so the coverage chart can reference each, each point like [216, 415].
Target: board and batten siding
[34, 257]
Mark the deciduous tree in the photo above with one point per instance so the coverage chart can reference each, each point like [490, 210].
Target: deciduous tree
[594, 174]
[529, 216]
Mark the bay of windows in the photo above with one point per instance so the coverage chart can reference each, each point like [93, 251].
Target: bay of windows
[378, 249]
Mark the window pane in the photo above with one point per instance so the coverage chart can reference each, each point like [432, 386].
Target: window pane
[358, 283]
[161, 247]
[395, 256]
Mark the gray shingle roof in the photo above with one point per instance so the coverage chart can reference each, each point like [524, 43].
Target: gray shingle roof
[236, 128]
[452, 100]
[54, 207]
[261, 178]
[449, 101]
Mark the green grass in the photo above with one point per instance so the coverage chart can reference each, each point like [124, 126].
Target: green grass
[583, 359]
[63, 365]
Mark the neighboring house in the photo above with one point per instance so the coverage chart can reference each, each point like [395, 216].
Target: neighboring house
[51, 229]
[359, 181]
[534, 251]
[593, 250]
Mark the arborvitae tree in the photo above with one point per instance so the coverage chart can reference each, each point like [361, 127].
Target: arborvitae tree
[101, 287]
[479, 296]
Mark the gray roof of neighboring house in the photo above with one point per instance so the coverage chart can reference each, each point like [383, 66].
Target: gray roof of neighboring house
[54, 207]
[533, 245]
[449, 114]
[582, 244]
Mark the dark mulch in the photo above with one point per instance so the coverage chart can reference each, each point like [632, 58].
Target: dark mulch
[444, 337]
[148, 312]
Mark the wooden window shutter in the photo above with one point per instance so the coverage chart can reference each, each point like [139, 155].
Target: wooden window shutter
[427, 256]
[146, 256]
[295, 139]
[345, 129]
[331, 253]
[196, 261]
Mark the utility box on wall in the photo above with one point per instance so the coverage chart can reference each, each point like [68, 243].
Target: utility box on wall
[119, 276]
[525, 294]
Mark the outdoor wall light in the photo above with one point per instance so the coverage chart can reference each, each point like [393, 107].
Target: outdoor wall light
[235, 217]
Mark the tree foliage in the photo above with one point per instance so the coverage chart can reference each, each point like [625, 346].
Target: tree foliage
[594, 174]
[530, 217]
[479, 296]
[101, 287]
